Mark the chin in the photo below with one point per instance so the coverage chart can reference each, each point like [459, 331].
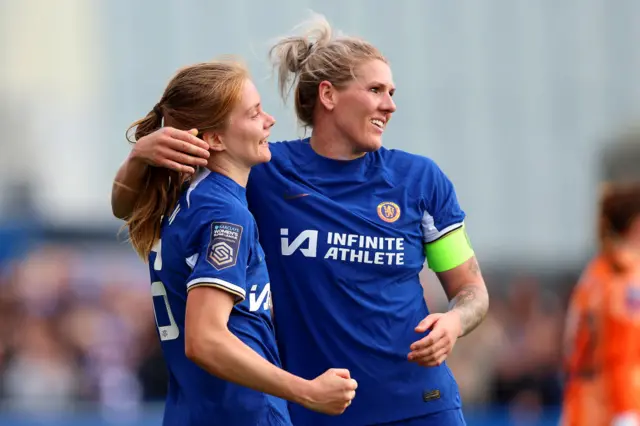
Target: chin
[370, 144]
[264, 156]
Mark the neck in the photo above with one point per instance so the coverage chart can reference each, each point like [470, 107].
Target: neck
[632, 247]
[221, 164]
[627, 254]
[329, 142]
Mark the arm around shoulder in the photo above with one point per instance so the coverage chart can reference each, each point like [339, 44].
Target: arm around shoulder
[127, 184]
[169, 148]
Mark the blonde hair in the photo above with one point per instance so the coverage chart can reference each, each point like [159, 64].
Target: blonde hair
[304, 61]
[199, 96]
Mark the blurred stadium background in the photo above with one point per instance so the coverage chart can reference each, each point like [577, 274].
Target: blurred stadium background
[521, 102]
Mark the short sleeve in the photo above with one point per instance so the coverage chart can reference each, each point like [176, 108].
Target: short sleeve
[224, 248]
[441, 211]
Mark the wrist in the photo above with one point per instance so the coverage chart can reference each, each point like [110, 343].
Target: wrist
[136, 163]
[302, 391]
[457, 315]
[136, 159]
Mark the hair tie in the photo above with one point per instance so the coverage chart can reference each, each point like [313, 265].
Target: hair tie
[158, 110]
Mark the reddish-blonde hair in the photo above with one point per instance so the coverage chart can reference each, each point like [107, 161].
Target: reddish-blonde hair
[199, 96]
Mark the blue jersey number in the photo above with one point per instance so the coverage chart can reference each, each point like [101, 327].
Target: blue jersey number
[171, 331]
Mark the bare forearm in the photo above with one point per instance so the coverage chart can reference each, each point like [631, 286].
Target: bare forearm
[228, 358]
[126, 186]
[471, 302]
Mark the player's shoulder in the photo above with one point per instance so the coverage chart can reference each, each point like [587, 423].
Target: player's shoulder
[204, 191]
[205, 199]
[283, 157]
[284, 152]
[402, 161]
[594, 277]
[598, 267]
[407, 169]
[286, 148]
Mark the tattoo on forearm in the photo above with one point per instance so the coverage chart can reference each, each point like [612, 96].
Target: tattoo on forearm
[474, 267]
[471, 302]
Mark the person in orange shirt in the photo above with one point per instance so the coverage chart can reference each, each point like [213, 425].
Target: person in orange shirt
[602, 334]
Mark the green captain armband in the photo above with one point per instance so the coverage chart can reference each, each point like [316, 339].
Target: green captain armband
[449, 251]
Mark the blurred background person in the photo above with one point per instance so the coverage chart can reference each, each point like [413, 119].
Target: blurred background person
[602, 336]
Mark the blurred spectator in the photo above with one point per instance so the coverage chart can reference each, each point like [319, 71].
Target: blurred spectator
[41, 374]
[78, 328]
[527, 363]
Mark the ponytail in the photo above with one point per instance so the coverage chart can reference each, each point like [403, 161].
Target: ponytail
[199, 96]
[159, 193]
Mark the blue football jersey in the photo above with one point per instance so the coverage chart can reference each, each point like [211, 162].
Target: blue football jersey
[345, 243]
[211, 239]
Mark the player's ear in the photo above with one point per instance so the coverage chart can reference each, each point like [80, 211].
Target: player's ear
[327, 94]
[214, 139]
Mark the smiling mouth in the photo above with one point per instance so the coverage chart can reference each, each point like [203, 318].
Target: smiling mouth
[378, 123]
